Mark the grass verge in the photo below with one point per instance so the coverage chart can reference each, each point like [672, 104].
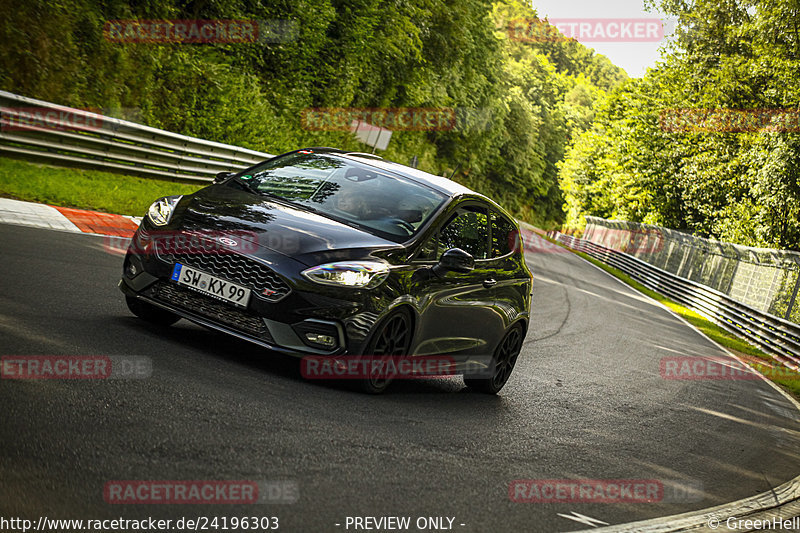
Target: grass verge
[84, 189]
[775, 372]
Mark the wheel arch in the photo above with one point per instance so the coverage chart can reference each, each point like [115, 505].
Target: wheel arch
[399, 307]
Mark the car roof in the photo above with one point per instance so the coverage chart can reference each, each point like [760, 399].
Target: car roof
[439, 183]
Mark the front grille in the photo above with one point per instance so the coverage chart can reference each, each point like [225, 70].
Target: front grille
[236, 268]
[210, 308]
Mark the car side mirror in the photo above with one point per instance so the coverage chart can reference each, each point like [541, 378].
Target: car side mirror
[222, 176]
[455, 260]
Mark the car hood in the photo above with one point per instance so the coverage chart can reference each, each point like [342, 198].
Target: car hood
[267, 225]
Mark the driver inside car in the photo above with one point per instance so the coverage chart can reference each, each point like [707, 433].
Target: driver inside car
[352, 204]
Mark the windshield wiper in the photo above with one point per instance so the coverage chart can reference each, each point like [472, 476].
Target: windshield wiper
[246, 186]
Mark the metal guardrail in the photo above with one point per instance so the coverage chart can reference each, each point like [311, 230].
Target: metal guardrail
[765, 278]
[774, 335]
[50, 133]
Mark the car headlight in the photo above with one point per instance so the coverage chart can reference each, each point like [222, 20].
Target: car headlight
[357, 274]
[161, 211]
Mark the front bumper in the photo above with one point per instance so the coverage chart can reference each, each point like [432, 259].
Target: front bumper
[277, 336]
[279, 324]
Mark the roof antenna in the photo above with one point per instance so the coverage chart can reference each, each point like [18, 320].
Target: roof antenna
[458, 166]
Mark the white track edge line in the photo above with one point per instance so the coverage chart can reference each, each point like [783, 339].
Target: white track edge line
[700, 517]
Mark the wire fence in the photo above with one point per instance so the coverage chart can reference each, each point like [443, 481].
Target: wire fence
[774, 335]
[763, 278]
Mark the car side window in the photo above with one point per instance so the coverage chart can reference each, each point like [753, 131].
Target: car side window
[469, 230]
[504, 235]
[427, 251]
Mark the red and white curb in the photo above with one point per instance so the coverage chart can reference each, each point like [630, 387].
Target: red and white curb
[66, 219]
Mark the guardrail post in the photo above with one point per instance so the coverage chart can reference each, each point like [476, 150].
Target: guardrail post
[687, 265]
[793, 298]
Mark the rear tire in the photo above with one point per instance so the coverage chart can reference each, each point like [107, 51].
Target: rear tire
[392, 338]
[151, 313]
[503, 361]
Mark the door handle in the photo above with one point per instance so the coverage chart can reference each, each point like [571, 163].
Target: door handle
[489, 283]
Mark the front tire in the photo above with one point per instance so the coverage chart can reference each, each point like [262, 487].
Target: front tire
[503, 361]
[151, 313]
[392, 338]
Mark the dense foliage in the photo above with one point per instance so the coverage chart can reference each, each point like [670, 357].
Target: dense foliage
[728, 174]
[518, 103]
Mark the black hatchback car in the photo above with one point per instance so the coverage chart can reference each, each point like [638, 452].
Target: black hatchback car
[325, 253]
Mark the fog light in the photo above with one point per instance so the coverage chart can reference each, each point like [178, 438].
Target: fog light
[132, 269]
[323, 340]
[319, 334]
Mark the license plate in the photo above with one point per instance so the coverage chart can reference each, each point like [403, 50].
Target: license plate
[213, 286]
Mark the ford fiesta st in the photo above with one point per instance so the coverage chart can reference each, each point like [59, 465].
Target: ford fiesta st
[327, 253]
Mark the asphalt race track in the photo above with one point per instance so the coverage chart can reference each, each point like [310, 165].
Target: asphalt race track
[586, 401]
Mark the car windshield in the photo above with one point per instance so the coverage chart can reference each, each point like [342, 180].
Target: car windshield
[387, 205]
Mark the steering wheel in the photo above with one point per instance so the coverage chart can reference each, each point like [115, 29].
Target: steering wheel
[402, 223]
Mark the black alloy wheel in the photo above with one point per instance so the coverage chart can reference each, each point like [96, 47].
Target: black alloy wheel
[392, 339]
[505, 357]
